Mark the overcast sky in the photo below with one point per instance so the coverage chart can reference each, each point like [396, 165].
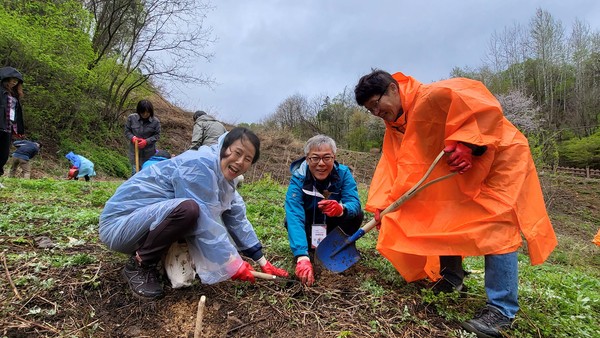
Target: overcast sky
[268, 50]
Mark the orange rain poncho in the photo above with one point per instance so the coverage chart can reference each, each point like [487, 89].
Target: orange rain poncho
[596, 239]
[481, 212]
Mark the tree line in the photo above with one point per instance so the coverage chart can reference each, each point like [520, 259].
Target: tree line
[546, 77]
[87, 62]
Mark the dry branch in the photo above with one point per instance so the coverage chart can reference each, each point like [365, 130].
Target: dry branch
[10, 281]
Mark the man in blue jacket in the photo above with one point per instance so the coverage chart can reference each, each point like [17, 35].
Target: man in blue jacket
[26, 150]
[322, 195]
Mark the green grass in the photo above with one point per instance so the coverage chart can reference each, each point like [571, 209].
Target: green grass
[560, 298]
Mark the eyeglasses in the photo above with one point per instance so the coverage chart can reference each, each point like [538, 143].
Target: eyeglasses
[375, 107]
[316, 159]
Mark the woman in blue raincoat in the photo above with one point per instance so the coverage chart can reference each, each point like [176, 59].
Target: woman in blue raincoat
[80, 167]
[190, 196]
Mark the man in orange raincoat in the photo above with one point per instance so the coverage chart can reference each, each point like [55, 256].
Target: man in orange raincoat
[483, 211]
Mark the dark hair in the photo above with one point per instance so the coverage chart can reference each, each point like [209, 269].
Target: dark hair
[243, 134]
[198, 113]
[144, 105]
[163, 153]
[375, 83]
[9, 72]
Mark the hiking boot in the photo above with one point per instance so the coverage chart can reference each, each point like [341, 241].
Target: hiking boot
[142, 279]
[445, 286]
[488, 323]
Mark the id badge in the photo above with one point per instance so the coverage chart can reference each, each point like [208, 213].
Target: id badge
[318, 233]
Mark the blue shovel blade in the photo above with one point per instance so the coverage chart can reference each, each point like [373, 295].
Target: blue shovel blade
[336, 253]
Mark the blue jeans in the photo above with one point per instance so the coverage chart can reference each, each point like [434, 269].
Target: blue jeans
[501, 279]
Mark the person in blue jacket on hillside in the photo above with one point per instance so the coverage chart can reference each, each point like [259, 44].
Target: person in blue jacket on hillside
[190, 196]
[80, 167]
[321, 196]
[26, 150]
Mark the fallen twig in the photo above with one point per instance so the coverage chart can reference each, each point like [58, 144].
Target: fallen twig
[14, 288]
[45, 327]
[82, 328]
[199, 317]
[245, 324]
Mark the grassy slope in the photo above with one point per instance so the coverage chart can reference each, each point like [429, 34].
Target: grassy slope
[558, 299]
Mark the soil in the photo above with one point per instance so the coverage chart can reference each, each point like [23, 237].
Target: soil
[97, 303]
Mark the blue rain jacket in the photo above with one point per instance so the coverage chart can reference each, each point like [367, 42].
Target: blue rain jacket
[153, 160]
[143, 201]
[85, 166]
[298, 203]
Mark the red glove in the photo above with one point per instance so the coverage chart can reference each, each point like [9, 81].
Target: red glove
[304, 272]
[377, 216]
[461, 157]
[331, 208]
[142, 143]
[244, 273]
[272, 270]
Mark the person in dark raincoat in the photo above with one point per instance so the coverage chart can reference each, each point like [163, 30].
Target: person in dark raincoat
[142, 128]
[11, 112]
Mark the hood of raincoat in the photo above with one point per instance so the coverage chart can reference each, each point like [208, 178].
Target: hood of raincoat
[74, 159]
[6, 72]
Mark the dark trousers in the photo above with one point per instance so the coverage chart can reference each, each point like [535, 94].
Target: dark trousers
[173, 228]
[452, 270]
[86, 177]
[5, 140]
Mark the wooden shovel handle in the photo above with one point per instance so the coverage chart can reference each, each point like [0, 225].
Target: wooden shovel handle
[137, 156]
[411, 192]
[263, 275]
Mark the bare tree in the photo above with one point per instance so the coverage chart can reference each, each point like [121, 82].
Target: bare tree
[150, 40]
[507, 51]
[547, 48]
[585, 98]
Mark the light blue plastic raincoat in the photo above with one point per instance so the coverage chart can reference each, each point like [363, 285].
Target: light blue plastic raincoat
[85, 166]
[144, 200]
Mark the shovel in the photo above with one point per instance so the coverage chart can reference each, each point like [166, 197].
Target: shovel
[337, 252]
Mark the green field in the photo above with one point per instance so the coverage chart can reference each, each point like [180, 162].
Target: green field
[51, 253]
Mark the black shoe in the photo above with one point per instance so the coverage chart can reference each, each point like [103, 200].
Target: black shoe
[445, 286]
[142, 279]
[488, 323]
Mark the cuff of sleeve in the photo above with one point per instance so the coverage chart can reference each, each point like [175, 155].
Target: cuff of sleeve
[477, 150]
[255, 252]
